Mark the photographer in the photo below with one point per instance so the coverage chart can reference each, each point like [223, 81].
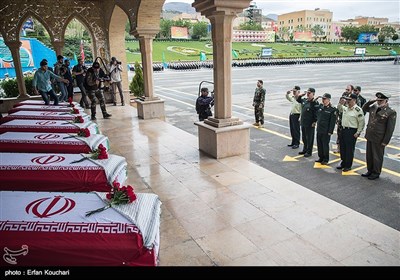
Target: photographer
[93, 79]
[116, 80]
[59, 70]
[204, 104]
[79, 71]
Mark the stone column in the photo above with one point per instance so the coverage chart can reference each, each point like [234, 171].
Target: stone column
[223, 135]
[150, 106]
[58, 46]
[14, 48]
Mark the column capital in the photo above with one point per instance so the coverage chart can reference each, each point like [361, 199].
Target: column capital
[226, 7]
[147, 33]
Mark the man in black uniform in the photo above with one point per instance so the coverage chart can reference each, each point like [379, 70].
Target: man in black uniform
[326, 116]
[204, 104]
[308, 121]
[381, 124]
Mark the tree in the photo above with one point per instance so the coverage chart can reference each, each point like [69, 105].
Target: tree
[367, 29]
[283, 32]
[165, 28]
[137, 85]
[387, 32]
[317, 31]
[200, 29]
[350, 33]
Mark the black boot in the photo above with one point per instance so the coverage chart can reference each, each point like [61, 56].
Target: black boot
[106, 115]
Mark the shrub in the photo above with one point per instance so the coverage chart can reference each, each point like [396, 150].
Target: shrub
[137, 85]
[10, 87]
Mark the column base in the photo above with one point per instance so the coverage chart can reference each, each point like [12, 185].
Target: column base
[150, 108]
[227, 141]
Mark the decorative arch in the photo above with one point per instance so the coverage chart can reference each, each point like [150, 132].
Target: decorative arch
[81, 19]
[38, 18]
[148, 14]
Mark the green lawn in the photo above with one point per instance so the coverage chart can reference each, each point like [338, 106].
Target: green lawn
[190, 50]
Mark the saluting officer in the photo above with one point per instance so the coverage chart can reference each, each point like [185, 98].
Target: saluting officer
[381, 124]
[326, 116]
[353, 123]
[308, 121]
[294, 118]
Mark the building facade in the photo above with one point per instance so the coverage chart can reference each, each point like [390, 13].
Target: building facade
[305, 22]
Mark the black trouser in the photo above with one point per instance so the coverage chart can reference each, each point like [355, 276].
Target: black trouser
[70, 90]
[375, 152]
[307, 134]
[294, 122]
[347, 146]
[323, 146]
[84, 101]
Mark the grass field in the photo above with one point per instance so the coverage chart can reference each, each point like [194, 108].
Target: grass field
[190, 50]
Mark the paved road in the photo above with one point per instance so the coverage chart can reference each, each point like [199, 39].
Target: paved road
[379, 199]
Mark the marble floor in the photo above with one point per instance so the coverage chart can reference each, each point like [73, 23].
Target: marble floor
[232, 212]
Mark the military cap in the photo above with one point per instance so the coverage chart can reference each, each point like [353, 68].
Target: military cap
[326, 95]
[311, 89]
[296, 87]
[381, 96]
[351, 96]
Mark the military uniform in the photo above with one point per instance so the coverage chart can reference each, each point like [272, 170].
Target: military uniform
[294, 119]
[353, 123]
[381, 124]
[94, 91]
[308, 119]
[326, 116]
[258, 103]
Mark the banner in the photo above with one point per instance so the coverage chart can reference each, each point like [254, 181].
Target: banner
[25, 52]
[303, 36]
[179, 32]
[368, 38]
[253, 36]
[28, 25]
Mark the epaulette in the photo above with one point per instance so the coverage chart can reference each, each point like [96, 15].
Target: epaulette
[358, 109]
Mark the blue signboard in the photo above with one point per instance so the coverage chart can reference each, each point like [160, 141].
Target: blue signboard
[368, 38]
[28, 25]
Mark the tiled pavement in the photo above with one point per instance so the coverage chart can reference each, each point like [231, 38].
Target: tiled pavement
[232, 212]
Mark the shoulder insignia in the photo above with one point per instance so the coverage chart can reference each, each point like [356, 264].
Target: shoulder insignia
[358, 109]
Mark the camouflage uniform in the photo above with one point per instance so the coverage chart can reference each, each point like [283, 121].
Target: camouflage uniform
[258, 103]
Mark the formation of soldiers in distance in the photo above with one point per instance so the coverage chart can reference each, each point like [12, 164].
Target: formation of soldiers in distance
[194, 65]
